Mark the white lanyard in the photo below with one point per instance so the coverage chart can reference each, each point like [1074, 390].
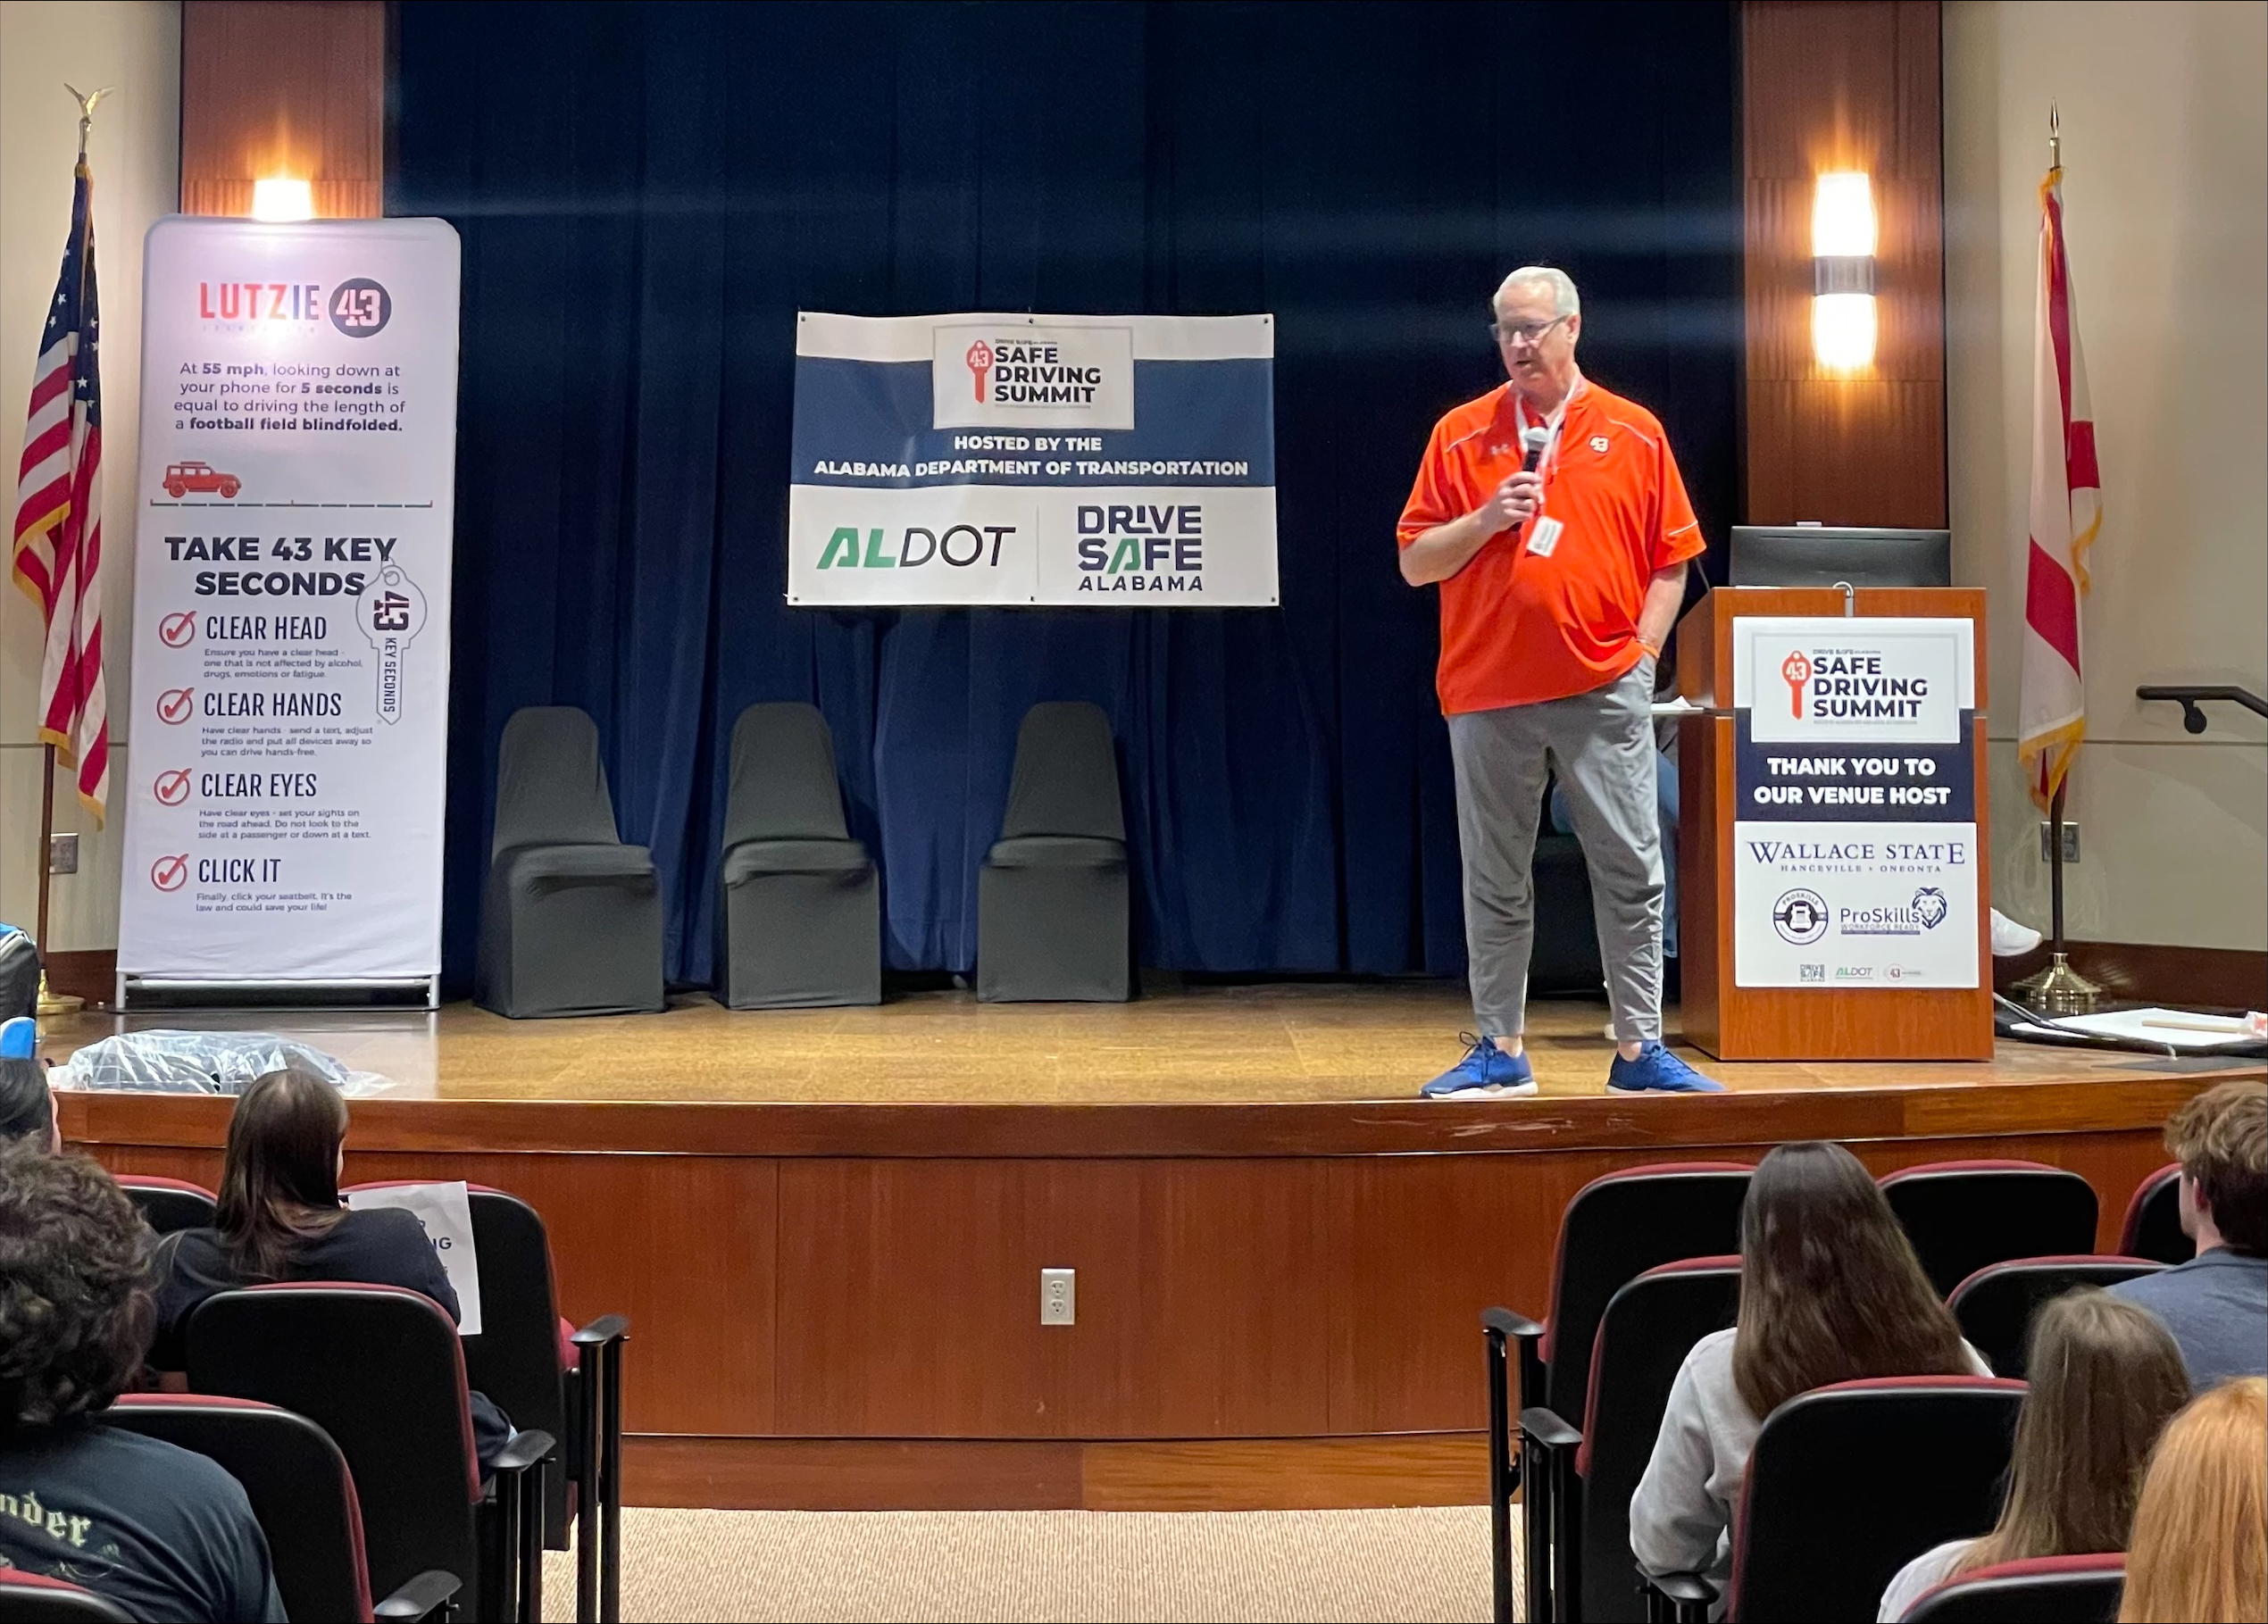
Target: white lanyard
[1551, 427]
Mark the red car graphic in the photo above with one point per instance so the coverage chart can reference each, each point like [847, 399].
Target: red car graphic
[181, 478]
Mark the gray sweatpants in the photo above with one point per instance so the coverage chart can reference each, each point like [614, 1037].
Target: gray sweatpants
[1602, 744]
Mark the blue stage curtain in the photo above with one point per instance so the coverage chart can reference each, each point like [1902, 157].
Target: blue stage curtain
[647, 194]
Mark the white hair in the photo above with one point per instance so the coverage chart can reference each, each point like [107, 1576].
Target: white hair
[1565, 300]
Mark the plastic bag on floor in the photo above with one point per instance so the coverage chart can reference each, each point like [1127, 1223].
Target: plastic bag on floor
[202, 1062]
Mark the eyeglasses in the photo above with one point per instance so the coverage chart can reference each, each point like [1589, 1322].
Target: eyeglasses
[1522, 332]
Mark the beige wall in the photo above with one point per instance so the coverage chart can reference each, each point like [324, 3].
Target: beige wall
[135, 46]
[2165, 190]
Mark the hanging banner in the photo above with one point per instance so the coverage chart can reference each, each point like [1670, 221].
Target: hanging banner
[1113, 461]
[1855, 848]
[291, 601]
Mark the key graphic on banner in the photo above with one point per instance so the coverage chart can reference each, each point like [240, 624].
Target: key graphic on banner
[391, 612]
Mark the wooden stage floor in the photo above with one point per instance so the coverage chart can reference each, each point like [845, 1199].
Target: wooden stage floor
[1267, 1044]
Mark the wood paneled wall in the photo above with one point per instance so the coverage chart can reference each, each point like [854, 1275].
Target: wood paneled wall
[1832, 85]
[292, 87]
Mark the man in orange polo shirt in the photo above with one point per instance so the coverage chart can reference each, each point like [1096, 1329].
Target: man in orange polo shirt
[1558, 585]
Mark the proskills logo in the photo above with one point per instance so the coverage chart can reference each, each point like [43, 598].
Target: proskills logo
[1800, 916]
[1926, 911]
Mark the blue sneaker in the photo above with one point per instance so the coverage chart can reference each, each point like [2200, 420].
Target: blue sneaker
[1485, 1073]
[1657, 1071]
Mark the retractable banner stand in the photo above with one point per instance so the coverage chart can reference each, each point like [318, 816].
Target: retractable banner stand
[284, 779]
[1120, 462]
[1854, 848]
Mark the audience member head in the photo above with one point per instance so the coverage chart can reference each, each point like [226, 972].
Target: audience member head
[2199, 1550]
[75, 1308]
[27, 1106]
[2221, 1139]
[27, 1109]
[2106, 1378]
[279, 1174]
[1829, 1287]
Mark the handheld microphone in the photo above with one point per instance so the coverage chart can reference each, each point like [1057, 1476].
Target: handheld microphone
[1535, 437]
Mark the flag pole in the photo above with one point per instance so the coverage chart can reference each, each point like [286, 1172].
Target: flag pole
[2058, 989]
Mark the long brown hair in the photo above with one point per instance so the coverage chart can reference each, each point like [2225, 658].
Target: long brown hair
[280, 1175]
[2200, 1544]
[1829, 1287]
[2105, 1376]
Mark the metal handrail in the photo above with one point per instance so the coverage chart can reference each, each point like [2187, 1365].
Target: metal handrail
[2189, 697]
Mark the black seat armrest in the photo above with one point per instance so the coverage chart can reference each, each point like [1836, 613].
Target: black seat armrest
[1679, 1598]
[531, 1448]
[1505, 1323]
[1540, 1425]
[599, 1332]
[428, 1596]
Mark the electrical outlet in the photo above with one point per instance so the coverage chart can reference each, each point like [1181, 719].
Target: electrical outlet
[1059, 1296]
[62, 853]
[2071, 841]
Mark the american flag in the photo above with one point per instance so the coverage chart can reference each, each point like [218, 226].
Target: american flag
[58, 549]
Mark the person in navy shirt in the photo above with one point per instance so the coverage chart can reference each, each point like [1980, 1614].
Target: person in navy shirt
[163, 1533]
[2216, 1305]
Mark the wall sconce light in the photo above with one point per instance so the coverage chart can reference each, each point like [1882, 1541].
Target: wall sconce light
[283, 200]
[1842, 246]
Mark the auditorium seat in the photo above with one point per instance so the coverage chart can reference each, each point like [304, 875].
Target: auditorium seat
[2153, 1226]
[302, 1496]
[167, 1204]
[799, 908]
[382, 1371]
[545, 1374]
[1614, 1228]
[2038, 1590]
[33, 1598]
[1846, 1485]
[1052, 911]
[1995, 1305]
[1578, 1485]
[570, 919]
[1963, 1215]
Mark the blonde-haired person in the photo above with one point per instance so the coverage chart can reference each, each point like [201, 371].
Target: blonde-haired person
[2199, 1553]
[2106, 1379]
[1830, 1291]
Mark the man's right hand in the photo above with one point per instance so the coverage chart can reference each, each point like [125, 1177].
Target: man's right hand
[1512, 504]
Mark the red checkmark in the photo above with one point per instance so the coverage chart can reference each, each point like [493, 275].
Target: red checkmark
[167, 873]
[176, 630]
[174, 705]
[173, 787]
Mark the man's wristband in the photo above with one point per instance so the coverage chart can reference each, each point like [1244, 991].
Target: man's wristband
[1650, 648]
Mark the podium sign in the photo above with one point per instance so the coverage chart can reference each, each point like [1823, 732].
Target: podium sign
[1855, 837]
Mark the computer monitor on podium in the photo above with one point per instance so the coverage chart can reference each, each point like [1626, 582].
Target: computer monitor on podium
[1820, 556]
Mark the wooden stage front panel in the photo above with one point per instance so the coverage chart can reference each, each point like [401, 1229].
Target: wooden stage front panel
[830, 1261]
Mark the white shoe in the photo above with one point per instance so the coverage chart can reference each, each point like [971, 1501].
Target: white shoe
[2009, 939]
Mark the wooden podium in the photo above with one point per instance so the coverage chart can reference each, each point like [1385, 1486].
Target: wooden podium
[1875, 1021]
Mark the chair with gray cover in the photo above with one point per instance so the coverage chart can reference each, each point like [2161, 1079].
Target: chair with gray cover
[571, 922]
[1052, 919]
[799, 911]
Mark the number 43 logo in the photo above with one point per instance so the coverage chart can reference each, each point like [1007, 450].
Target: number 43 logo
[360, 308]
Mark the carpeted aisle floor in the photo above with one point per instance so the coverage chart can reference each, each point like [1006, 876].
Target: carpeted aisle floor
[1420, 1564]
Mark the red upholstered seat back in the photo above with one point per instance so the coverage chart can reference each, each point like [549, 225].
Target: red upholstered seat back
[2040, 1590]
[302, 1493]
[2153, 1225]
[1963, 1215]
[1616, 1228]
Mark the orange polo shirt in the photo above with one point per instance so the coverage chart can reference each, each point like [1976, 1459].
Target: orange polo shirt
[1517, 627]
